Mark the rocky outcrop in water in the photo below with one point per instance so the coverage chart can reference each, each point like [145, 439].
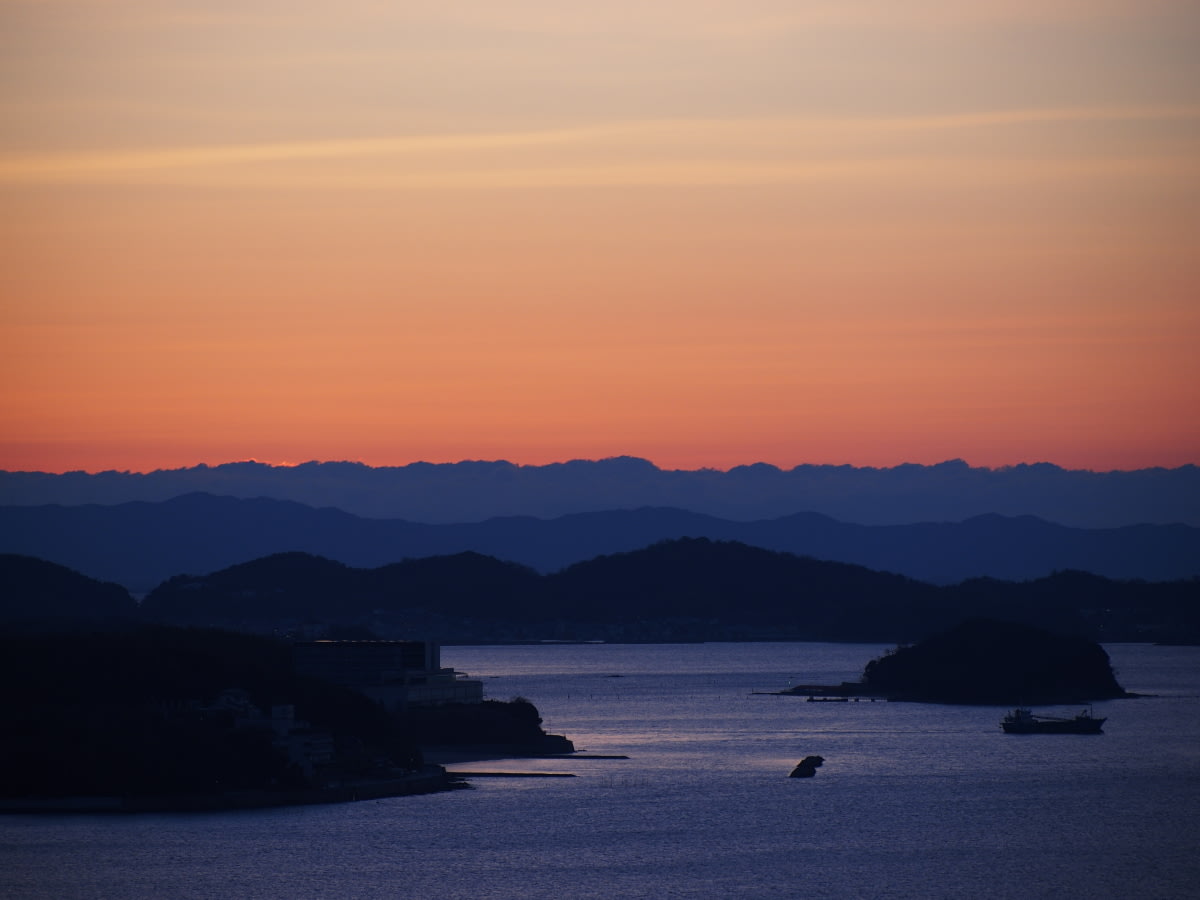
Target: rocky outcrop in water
[807, 767]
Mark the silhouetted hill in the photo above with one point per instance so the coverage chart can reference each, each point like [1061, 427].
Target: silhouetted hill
[35, 594]
[284, 586]
[991, 661]
[688, 589]
[1113, 609]
[140, 544]
[701, 583]
[685, 589]
[474, 491]
[299, 588]
[465, 584]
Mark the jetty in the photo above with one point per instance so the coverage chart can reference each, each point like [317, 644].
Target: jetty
[822, 692]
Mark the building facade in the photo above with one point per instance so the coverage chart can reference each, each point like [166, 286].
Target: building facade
[396, 674]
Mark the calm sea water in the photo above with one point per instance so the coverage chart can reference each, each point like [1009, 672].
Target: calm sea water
[914, 800]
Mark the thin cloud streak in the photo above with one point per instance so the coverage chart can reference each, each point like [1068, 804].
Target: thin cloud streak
[50, 168]
[701, 174]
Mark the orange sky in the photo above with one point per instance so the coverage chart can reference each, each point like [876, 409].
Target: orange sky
[704, 233]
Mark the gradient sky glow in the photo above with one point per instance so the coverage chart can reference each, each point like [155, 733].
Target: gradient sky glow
[705, 233]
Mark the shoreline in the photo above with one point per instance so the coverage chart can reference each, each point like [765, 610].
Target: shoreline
[427, 780]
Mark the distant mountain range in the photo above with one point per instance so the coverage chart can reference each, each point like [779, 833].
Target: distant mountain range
[139, 544]
[477, 491]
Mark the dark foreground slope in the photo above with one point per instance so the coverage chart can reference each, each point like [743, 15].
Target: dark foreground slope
[38, 594]
[157, 712]
[139, 712]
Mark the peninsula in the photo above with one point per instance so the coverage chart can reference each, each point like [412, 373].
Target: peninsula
[157, 718]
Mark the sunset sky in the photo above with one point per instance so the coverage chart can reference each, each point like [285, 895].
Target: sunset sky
[704, 233]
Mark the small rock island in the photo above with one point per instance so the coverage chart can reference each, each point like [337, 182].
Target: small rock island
[988, 661]
[807, 767]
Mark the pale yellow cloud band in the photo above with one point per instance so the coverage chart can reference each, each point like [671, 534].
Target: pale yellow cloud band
[70, 166]
[716, 137]
[681, 173]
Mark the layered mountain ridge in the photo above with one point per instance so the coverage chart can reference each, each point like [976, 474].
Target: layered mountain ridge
[140, 544]
[473, 491]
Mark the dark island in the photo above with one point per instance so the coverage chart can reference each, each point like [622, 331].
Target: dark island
[988, 661]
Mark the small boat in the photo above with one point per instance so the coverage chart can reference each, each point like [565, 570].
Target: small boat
[1023, 721]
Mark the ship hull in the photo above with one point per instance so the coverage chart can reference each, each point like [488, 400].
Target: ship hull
[1022, 721]
[1092, 727]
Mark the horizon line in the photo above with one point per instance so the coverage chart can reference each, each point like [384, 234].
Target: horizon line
[955, 462]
